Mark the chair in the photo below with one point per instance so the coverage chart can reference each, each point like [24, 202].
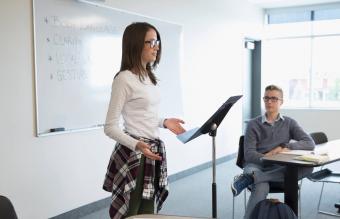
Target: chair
[274, 187]
[6, 208]
[323, 175]
[319, 137]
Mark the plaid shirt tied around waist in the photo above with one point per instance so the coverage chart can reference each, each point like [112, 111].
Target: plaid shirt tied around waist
[120, 178]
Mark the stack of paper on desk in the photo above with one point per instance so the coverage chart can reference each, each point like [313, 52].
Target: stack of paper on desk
[297, 152]
[315, 158]
[304, 152]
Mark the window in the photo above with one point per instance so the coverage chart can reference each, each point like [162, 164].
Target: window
[301, 54]
[325, 78]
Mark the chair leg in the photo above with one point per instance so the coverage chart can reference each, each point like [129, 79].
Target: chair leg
[299, 200]
[325, 212]
[320, 196]
[233, 207]
[245, 200]
[245, 203]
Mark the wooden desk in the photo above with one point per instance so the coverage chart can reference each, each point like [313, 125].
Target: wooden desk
[291, 174]
[160, 216]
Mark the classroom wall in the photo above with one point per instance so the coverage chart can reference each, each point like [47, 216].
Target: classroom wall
[47, 176]
[316, 120]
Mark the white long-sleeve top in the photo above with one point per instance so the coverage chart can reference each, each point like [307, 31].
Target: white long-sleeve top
[137, 101]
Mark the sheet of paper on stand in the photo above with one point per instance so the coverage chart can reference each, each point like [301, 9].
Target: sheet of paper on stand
[186, 136]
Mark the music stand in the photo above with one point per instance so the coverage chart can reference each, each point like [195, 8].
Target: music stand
[210, 126]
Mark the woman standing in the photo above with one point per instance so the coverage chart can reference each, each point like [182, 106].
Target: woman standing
[137, 172]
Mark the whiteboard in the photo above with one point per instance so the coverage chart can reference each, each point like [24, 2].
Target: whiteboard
[78, 52]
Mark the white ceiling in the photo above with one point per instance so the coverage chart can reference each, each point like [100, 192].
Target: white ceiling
[288, 3]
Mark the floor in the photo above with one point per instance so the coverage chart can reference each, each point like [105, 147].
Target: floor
[191, 196]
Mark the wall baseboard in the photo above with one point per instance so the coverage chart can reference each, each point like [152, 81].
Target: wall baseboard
[85, 209]
[200, 167]
[103, 203]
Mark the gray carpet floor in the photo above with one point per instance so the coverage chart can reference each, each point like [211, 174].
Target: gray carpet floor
[191, 196]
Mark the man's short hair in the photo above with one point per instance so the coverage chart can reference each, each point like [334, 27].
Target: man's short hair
[274, 87]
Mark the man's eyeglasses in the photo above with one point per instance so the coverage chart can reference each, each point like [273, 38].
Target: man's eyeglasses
[273, 99]
[153, 43]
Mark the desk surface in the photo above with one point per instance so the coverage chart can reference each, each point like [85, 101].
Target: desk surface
[332, 148]
[160, 216]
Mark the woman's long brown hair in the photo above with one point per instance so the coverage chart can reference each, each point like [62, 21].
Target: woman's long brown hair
[133, 44]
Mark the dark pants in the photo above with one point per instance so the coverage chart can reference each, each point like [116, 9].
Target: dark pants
[137, 204]
[262, 177]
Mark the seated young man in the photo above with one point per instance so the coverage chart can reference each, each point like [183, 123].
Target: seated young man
[267, 135]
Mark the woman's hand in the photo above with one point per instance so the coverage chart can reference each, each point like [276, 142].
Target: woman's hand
[145, 149]
[174, 125]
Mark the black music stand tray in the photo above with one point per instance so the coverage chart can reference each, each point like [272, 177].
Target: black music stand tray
[210, 126]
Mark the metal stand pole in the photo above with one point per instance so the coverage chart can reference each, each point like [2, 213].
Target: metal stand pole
[212, 133]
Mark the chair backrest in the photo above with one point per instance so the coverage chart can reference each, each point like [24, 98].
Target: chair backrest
[274, 187]
[240, 154]
[6, 208]
[319, 137]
